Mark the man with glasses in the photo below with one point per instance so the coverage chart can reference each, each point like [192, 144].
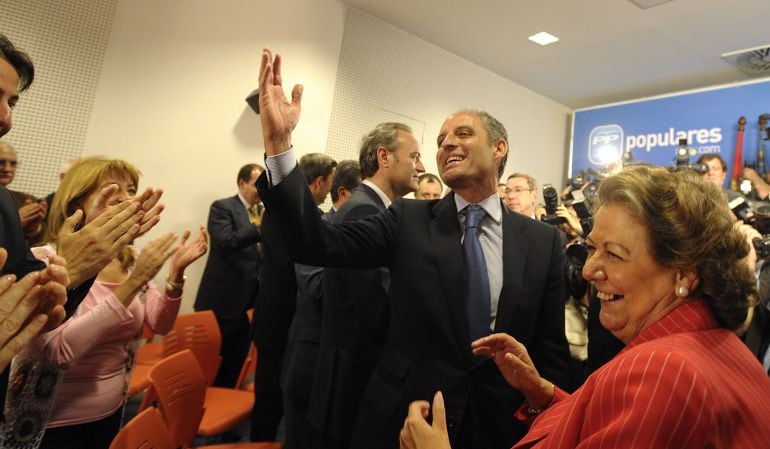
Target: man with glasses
[521, 194]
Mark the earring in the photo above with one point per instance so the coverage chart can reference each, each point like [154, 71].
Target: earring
[682, 291]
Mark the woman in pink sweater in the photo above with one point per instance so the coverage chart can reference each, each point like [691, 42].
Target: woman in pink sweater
[94, 347]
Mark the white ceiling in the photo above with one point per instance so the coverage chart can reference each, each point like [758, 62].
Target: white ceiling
[610, 50]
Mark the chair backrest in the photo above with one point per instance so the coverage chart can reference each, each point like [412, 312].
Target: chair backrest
[199, 332]
[248, 369]
[147, 430]
[180, 388]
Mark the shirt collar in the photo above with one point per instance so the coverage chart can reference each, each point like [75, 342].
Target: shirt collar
[243, 201]
[491, 205]
[385, 200]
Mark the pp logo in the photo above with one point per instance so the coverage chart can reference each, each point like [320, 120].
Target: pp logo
[605, 144]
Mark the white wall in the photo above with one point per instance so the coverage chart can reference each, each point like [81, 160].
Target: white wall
[175, 75]
[387, 74]
[174, 80]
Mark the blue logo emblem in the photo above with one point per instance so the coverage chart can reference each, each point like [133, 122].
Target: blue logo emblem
[605, 144]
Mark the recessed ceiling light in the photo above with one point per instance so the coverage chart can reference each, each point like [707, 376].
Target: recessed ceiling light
[543, 38]
[645, 4]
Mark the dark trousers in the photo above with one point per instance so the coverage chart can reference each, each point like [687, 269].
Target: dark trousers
[93, 435]
[268, 398]
[299, 433]
[235, 347]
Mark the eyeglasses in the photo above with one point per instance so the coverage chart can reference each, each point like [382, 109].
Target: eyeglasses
[4, 162]
[517, 191]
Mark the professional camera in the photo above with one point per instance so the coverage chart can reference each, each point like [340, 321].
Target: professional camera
[583, 209]
[756, 214]
[551, 200]
[576, 256]
[682, 159]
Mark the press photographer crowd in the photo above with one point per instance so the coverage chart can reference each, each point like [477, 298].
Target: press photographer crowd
[747, 197]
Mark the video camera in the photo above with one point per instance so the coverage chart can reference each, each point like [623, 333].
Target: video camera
[682, 159]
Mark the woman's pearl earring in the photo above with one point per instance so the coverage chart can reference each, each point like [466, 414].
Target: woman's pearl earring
[682, 291]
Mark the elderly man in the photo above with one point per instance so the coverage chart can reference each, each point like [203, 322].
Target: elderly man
[32, 211]
[460, 268]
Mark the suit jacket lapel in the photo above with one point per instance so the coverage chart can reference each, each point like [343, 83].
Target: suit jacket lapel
[372, 195]
[514, 258]
[240, 211]
[445, 237]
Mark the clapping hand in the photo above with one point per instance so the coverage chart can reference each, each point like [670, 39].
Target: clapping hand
[417, 433]
[29, 306]
[187, 253]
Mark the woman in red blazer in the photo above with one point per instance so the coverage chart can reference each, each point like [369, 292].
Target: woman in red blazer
[671, 271]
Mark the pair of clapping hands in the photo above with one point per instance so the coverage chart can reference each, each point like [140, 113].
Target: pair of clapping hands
[516, 366]
[35, 303]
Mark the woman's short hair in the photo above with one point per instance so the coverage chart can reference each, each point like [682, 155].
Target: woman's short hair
[690, 228]
[81, 180]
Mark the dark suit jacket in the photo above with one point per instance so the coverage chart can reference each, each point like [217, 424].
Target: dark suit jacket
[20, 259]
[428, 343]
[277, 297]
[355, 320]
[231, 278]
[301, 359]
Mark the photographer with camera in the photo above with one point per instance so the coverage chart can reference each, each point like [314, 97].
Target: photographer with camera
[574, 221]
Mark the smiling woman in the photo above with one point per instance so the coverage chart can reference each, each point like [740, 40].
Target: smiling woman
[671, 270]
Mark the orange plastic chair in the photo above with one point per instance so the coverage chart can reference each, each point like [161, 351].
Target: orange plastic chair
[246, 377]
[225, 407]
[147, 355]
[180, 385]
[146, 430]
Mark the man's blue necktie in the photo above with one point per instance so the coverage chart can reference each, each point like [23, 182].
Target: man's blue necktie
[476, 278]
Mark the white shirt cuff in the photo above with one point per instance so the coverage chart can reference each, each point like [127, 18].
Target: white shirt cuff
[279, 166]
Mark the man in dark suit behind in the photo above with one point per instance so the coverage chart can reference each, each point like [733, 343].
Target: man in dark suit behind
[355, 302]
[428, 345]
[276, 303]
[299, 365]
[231, 279]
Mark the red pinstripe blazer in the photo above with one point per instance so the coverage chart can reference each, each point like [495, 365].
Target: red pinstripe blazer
[683, 383]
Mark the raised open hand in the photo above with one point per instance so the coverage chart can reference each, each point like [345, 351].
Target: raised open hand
[278, 115]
